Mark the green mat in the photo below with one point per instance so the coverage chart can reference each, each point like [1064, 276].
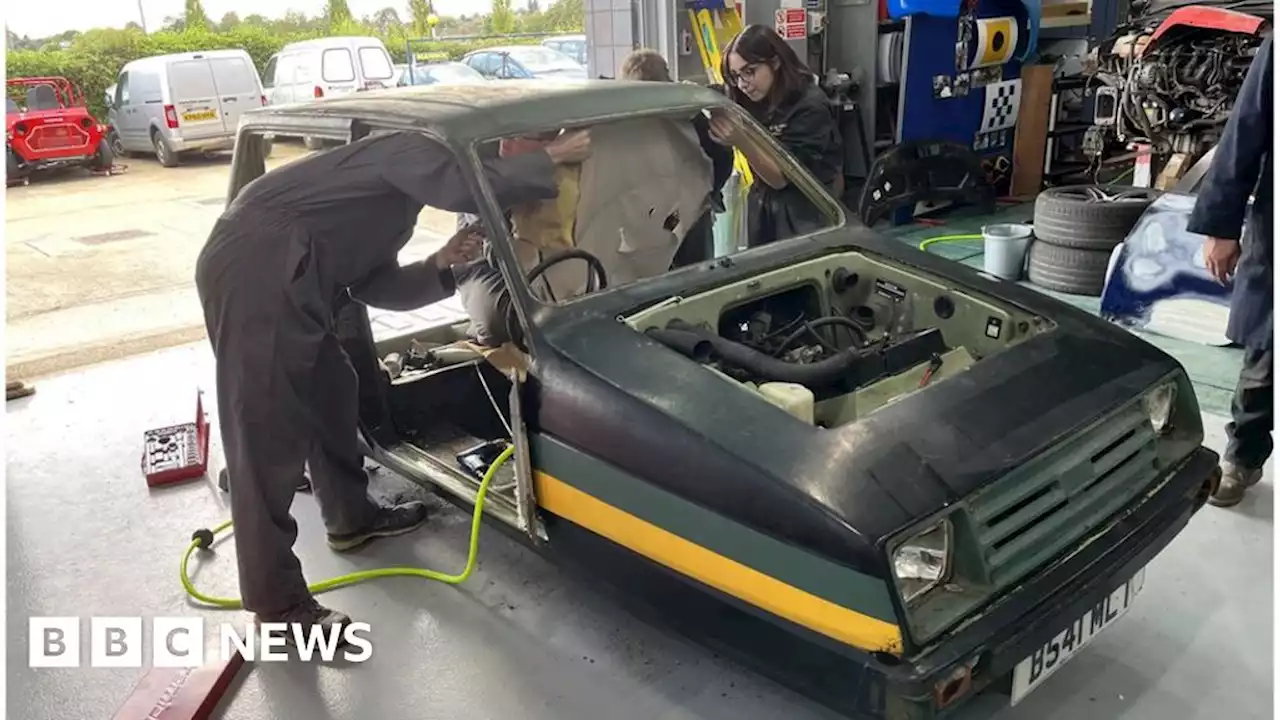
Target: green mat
[1213, 370]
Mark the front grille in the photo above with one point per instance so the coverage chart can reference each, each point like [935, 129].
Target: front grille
[1031, 515]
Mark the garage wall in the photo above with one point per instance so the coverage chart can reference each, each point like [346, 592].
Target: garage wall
[611, 35]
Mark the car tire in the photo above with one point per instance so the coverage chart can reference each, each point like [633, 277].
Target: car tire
[1093, 217]
[164, 154]
[104, 158]
[1074, 271]
[12, 166]
[117, 145]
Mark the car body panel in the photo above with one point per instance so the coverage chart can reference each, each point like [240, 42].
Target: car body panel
[53, 126]
[1158, 281]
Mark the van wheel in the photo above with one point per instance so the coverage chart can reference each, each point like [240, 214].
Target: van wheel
[167, 157]
[312, 143]
[117, 145]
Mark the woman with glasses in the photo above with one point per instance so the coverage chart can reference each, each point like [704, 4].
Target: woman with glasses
[766, 77]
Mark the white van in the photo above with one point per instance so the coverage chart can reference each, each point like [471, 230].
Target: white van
[305, 71]
[188, 102]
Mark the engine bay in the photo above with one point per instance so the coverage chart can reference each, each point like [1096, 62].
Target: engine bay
[834, 339]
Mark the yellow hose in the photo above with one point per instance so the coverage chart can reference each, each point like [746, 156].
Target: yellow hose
[948, 238]
[364, 575]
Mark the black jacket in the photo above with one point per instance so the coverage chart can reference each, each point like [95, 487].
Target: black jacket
[1242, 165]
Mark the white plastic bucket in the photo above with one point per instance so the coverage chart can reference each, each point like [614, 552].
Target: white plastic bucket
[1004, 250]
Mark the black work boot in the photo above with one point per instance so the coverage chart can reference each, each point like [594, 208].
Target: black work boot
[308, 615]
[389, 521]
[1235, 481]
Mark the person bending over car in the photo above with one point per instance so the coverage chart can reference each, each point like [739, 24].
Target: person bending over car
[292, 245]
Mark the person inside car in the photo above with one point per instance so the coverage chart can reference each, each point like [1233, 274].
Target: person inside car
[699, 244]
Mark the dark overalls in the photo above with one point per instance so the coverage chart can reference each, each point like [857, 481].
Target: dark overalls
[1243, 165]
[269, 277]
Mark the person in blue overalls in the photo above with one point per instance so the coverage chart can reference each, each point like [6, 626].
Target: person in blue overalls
[1241, 166]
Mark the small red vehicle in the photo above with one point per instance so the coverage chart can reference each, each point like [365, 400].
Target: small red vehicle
[50, 126]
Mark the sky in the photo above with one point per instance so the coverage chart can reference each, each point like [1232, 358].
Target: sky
[35, 20]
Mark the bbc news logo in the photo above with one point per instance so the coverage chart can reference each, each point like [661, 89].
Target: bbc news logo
[182, 642]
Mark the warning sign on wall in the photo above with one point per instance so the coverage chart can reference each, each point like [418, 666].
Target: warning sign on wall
[791, 23]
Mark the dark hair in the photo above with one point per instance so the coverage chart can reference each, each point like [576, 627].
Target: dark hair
[646, 64]
[761, 44]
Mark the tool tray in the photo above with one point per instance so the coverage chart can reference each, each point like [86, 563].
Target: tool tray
[178, 452]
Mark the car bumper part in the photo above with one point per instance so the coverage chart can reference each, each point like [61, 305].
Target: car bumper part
[983, 655]
[212, 144]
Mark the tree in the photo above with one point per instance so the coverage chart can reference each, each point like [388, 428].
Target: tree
[387, 21]
[256, 20]
[193, 15]
[338, 14]
[419, 11]
[133, 25]
[566, 16]
[229, 21]
[502, 19]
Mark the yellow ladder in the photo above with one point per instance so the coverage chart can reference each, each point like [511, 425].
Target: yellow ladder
[716, 27]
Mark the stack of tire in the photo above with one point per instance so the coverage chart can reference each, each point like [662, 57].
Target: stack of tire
[1076, 229]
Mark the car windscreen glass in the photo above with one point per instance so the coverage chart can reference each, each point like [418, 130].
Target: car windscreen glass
[448, 73]
[538, 59]
[375, 63]
[336, 65]
[234, 76]
[191, 80]
[641, 205]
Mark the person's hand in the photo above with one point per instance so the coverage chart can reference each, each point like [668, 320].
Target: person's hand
[724, 129]
[570, 148]
[1221, 256]
[463, 247]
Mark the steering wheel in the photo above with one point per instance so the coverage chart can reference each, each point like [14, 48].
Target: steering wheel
[598, 279]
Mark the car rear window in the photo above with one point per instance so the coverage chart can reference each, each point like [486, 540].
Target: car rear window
[336, 65]
[234, 76]
[375, 63]
[191, 80]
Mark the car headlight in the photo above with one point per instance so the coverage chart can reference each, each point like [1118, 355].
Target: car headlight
[924, 561]
[1159, 404]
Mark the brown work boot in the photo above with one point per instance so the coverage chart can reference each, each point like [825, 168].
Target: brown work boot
[1235, 481]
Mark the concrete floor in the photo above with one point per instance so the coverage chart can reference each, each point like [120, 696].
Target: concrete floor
[520, 639]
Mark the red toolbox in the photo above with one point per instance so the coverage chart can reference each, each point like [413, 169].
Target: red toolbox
[178, 452]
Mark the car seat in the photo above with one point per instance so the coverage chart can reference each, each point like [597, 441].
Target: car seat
[42, 97]
[10, 107]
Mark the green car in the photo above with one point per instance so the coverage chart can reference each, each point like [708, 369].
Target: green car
[886, 479]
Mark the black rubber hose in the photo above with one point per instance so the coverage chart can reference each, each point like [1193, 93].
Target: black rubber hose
[684, 342]
[759, 364]
[812, 327]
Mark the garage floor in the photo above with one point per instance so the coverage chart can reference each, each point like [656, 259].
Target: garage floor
[86, 537]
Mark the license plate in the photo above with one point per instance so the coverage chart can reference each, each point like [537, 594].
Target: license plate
[199, 116]
[1045, 661]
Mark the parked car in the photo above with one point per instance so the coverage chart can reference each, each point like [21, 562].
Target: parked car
[50, 127]
[888, 479]
[186, 102]
[522, 62]
[575, 46]
[446, 73]
[326, 67]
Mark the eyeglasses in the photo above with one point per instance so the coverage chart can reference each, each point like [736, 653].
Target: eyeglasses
[748, 72]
